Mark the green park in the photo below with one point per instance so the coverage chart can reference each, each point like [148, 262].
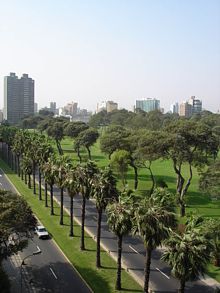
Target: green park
[147, 166]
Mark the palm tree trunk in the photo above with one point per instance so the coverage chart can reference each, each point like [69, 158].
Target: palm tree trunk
[118, 280]
[61, 206]
[51, 200]
[82, 245]
[147, 268]
[46, 202]
[71, 216]
[40, 190]
[29, 181]
[19, 169]
[25, 178]
[98, 235]
[34, 183]
[182, 285]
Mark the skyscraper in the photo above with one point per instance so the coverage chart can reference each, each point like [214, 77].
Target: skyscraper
[148, 105]
[18, 97]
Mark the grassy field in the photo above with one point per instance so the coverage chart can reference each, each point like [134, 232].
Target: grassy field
[100, 280]
[196, 201]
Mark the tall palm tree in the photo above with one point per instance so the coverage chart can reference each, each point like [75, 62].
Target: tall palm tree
[188, 253]
[120, 222]
[49, 175]
[153, 218]
[63, 163]
[85, 173]
[73, 188]
[26, 166]
[104, 191]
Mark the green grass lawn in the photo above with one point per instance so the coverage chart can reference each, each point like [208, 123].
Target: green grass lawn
[100, 280]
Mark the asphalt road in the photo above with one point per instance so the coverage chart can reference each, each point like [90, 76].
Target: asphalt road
[47, 272]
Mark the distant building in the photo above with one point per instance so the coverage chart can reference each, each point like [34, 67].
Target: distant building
[53, 107]
[35, 107]
[101, 106]
[185, 110]
[70, 109]
[18, 97]
[111, 106]
[196, 104]
[174, 108]
[148, 104]
[1, 116]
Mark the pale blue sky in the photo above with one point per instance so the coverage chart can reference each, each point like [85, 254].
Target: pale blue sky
[121, 50]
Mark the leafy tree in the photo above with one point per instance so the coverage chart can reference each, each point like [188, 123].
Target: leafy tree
[56, 131]
[119, 221]
[104, 191]
[120, 161]
[16, 223]
[192, 144]
[87, 138]
[210, 179]
[150, 148]
[73, 129]
[153, 218]
[188, 253]
[99, 119]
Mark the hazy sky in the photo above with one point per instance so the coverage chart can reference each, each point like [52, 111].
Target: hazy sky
[121, 50]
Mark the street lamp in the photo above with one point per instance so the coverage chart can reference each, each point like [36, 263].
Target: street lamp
[38, 251]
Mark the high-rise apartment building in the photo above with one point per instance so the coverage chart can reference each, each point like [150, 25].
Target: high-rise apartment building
[148, 104]
[185, 109]
[111, 106]
[174, 108]
[53, 107]
[18, 97]
[196, 104]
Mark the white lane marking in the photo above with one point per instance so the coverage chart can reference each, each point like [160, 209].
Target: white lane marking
[163, 273]
[133, 249]
[95, 218]
[53, 273]
[0, 183]
[0, 175]
[38, 248]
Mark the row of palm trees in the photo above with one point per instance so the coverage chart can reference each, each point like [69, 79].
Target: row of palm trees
[153, 218]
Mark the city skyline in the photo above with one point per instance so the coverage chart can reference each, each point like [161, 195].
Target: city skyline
[87, 52]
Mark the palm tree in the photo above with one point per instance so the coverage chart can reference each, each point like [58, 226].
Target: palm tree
[188, 253]
[26, 166]
[85, 173]
[153, 218]
[73, 188]
[62, 165]
[120, 222]
[49, 175]
[104, 191]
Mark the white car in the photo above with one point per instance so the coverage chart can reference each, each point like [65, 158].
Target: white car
[41, 232]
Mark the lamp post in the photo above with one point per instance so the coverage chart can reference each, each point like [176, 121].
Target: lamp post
[38, 251]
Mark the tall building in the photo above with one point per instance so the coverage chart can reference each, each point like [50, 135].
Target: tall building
[174, 108]
[148, 104]
[196, 104]
[18, 97]
[70, 109]
[101, 106]
[53, 107]
[185, 109]
[111, 106]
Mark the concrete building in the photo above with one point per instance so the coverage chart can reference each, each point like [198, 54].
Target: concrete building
[174, 108]
[53, 107]
[185, 109]
[70, 109]
[35, 107]
[1, 116]
[196, 104]
[101, 106]
[148, 104]
[18, 97]
[111, 106]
